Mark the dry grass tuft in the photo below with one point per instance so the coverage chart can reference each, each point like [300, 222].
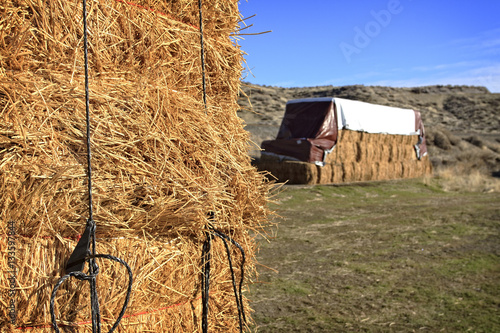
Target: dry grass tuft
[459, 179]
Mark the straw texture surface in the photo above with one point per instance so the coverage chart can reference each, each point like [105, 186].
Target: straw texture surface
[161, 160]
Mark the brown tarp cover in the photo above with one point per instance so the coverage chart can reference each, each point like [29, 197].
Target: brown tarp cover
[309, 130]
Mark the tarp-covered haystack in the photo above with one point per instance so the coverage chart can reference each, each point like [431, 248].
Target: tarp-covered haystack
[332, 140]
[161, 161]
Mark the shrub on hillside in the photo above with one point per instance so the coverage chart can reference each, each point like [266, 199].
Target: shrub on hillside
[441, 138]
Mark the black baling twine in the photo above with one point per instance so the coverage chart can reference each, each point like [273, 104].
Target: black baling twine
[237, 293]
[82, 253]
[211, 232]
[205, 278]
[202, 57]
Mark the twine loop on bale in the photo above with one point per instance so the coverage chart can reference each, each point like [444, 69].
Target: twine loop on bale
[237, 293]
[205, 279]
[91, 278]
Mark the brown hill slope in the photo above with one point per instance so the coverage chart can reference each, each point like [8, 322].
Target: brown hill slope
[462, 122]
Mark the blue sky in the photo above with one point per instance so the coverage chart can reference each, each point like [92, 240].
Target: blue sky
[399, 43]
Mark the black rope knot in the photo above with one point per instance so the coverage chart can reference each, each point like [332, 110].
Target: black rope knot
[84, 277]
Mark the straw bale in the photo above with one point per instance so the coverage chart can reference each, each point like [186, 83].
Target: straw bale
[337, 173]
[363, 137]
[398, 152]
[409, 153]
[383, 170]
[124, 37]
[353, 174]
[360, 151]
[409, 140]
[150, 174]
[362, 171]
[325, 174]
[347, 172]
[391, 153]
[370, 149]
[403, 152]
[166, 291]
[377, 171]
[270, 158]
[397, 170]
[370, 171]
[409, 169]
[292, 172]
[392, 169]
[349, 152]
[333, 156]
[359, 171]
[379, 139]
[356, 172]
[424, 166]
[341, 134]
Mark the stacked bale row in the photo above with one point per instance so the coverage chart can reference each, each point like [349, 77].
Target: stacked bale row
[358, 156]
[161, 160]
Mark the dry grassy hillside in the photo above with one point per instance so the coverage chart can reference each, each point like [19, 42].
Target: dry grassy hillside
[462, 122]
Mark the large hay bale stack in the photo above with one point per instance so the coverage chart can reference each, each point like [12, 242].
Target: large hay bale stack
[358, 156]
[161, 160]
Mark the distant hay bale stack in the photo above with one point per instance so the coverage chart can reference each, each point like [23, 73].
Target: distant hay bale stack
[356, 157]
[329, 134]
[346, 141]
[161, 161]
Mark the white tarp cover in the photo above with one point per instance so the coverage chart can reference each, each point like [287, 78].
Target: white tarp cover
[370, 118]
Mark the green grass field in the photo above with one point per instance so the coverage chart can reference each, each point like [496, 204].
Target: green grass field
[398, 256]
